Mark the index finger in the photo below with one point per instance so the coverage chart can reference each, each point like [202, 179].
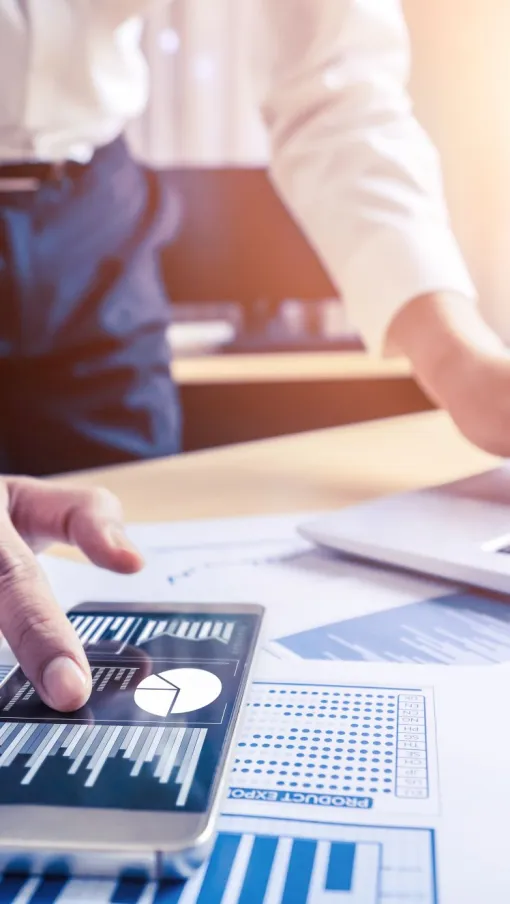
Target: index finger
[40, 635]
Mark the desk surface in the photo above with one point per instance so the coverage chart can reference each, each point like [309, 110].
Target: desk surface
[322, 470]
[289, 367]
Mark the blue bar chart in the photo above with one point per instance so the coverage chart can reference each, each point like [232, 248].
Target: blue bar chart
[273, 862]
[287, 862]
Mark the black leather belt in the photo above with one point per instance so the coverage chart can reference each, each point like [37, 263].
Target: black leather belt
[20, 177]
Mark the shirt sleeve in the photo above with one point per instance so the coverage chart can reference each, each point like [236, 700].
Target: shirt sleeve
[114, 13]
[350, 159]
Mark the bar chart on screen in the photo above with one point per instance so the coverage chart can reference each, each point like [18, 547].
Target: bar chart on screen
[121, 631]
[89, 755]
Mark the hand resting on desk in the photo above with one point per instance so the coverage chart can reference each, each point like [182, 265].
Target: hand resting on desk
[461, 363]
[33, 514]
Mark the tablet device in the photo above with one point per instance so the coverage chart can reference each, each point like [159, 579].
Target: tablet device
[135, 778]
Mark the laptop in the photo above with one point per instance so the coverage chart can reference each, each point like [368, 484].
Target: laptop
[459, 531]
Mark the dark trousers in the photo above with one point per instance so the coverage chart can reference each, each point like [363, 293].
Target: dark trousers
[84, 360]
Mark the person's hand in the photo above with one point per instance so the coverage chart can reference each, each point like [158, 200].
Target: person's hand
[33, 514]
[461, 363]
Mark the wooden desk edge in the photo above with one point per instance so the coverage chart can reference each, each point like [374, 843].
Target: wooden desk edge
[288, 367]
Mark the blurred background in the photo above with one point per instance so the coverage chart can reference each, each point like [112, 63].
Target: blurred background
[244, 284]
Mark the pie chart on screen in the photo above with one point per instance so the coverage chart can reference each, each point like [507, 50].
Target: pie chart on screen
[177, 691]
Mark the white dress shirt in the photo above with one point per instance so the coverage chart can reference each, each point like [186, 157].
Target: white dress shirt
[348, 156]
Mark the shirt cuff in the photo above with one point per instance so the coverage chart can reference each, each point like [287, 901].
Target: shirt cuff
[392, 269]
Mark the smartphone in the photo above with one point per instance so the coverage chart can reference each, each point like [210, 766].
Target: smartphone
[135, 778]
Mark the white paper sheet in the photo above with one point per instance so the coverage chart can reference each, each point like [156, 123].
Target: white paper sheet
[437, 729]
[378, 778]
[320, 606]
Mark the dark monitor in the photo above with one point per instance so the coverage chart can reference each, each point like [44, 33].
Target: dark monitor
[236, 241]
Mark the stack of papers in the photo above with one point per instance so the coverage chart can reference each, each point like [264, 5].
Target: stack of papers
[373, 768]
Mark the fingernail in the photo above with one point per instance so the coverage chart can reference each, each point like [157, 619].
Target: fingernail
[119, 539]
[65, 684]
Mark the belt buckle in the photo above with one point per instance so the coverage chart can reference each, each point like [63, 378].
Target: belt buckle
[11, 186]
[55, 175]
[58, 172]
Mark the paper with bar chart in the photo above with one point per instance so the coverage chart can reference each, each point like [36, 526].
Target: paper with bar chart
[273, 862]
[375, 754]
[333, 795]
[291, 862]
[363, 758]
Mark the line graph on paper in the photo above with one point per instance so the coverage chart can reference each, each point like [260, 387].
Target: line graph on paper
[344, 610]
[218, 556]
